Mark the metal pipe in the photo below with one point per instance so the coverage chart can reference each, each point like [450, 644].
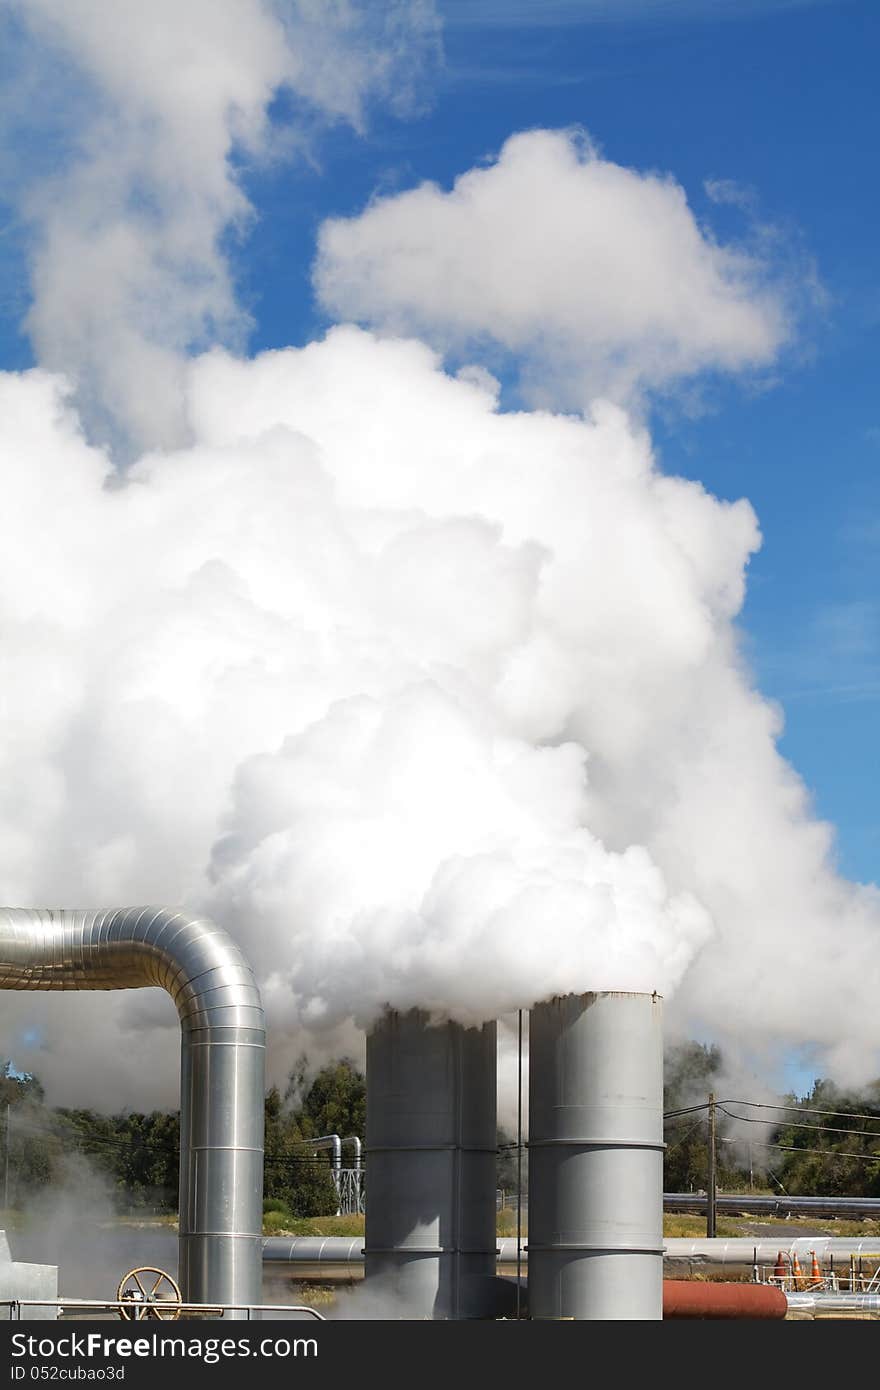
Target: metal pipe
[345, 1254]
[742, 1202]
[742, 1251]
[684, 1298]
[834, 1305]
[328, 1141]
[596, 1157]
[223, 1041]
[431, 1146]
[356, 1148]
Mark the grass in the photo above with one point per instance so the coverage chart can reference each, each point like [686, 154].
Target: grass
[279, 1223]
[729, 1227]
[694, 1227]
[275, 1223]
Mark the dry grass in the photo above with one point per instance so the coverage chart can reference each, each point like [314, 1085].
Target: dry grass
[728, 1227]
[277, 1224]
[694, 1227]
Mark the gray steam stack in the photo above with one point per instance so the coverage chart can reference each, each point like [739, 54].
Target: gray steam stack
[430, 1144]
[595, 1238]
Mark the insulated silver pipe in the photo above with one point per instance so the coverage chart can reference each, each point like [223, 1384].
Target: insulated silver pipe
[328, 1141]
[834, 1305]
[596, 1157]
[741, 1252]
[345, 1254]
[747, 1202]
[430, 1144]
[356, 1149]
[223, 1040]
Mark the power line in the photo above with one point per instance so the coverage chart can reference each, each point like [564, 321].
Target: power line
[685, 1110]
[822, 1153]
[796, 1124]
[687, 1134]
[807, 1109]
[115, 1147]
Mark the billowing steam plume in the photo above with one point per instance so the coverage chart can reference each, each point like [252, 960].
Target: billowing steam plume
[429, 702]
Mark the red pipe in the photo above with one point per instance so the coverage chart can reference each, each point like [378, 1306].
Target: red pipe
[686, 1298]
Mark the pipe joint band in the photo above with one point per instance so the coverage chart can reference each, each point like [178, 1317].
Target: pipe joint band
[595, 1249]
[593, 1142]
[429, 1148]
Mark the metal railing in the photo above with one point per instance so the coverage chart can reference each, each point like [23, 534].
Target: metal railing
[160, 1312]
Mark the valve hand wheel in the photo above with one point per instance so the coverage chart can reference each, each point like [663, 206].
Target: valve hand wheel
[146, 1292]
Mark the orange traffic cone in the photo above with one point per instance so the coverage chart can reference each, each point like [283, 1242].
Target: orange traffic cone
[797, 1273]
[815, 1273]
[779, 1270]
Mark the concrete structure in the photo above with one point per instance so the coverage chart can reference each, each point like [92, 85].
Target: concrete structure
[223, 1041]
[596, 1157]
[430, 1144]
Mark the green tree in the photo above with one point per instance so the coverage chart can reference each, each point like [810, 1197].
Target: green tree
[506, 1165]
[293, 1172]
[335, 1102]
[817, 1158]
[691, 1072]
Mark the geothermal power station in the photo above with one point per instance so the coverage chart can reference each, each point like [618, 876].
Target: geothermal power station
[595, 1246]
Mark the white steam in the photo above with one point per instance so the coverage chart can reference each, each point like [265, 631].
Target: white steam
[430, 703]
[128, 260]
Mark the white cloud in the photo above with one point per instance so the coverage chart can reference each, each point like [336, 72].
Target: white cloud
[596, 277]
[129, 270]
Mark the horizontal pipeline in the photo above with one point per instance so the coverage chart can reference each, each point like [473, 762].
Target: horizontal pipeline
[774, 1205]
[834, 1305]
[684, 1298]
[344, 1255]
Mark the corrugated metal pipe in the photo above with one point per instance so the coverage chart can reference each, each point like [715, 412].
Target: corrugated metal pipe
[748, 1203]
[223, 1040]
[741, 1252]
[833, 1305]
[344, 1254]
[595, 1239]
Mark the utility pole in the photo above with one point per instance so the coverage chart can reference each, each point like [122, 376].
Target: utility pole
[6, 1180]
[710, 1185]
[519, 1163]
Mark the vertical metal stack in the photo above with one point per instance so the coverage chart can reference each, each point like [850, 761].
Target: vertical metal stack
[431, 1144]
[595, 1238]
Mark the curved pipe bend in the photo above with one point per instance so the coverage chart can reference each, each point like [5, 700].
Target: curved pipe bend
[223, 1039]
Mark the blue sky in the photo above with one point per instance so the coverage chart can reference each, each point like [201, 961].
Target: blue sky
[781, 100]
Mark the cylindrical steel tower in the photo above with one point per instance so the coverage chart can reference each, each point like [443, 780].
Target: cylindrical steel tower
[430, 1146]
[595, 1237]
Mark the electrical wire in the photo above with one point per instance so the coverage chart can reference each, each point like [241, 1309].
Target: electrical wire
[808, 1109]
[796, 1124]
[686, 1135]
[822, 1153]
